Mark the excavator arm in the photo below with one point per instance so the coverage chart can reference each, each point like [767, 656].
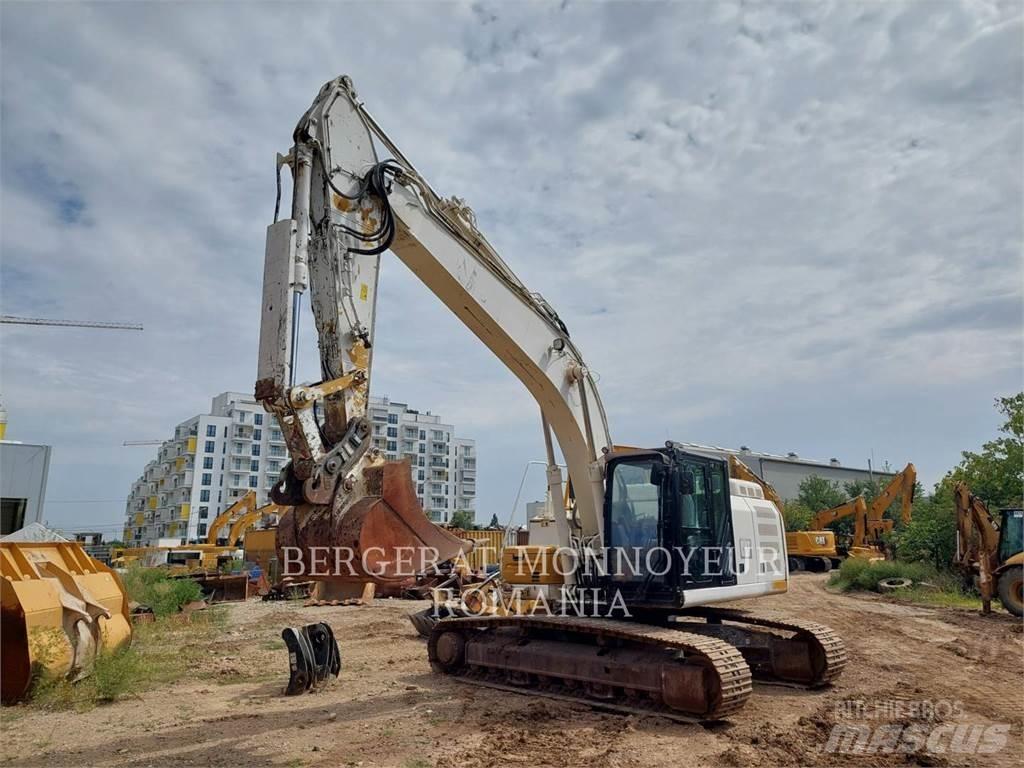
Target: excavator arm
[242, 506]
[856, 507]
[248, 520]
[347, 209]
[902, 486]
[741, 471]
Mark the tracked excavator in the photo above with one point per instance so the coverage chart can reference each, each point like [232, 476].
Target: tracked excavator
[870, 525]
[244, 505]
[811, 550]
[646, 637]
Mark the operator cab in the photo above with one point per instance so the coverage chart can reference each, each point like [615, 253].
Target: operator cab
[668, 525]
[1011, 533]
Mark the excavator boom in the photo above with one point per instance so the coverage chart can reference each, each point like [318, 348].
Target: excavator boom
[348, 207]
[242, 506]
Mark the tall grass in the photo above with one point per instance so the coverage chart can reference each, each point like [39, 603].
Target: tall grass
[161, 652]
[928, 586]
[154, 587]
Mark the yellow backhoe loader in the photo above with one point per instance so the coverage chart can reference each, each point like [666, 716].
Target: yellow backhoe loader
[60, 608]
[989, 550]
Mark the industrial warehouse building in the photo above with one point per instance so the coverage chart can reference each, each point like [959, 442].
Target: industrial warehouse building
[24, 468]
[785, 473]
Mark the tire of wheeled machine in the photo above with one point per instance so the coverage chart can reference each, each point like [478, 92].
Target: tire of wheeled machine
[1011, 589]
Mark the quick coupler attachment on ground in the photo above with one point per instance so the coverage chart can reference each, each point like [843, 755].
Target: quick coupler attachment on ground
[312, 655]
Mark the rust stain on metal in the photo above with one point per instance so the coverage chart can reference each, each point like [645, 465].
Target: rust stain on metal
[340, 202]
[383, 537]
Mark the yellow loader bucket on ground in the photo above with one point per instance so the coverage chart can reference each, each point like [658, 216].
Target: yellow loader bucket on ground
[60, 607]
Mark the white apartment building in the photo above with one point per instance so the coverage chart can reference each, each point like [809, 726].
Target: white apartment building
[443, 466]
[215, 458]
[212, 460]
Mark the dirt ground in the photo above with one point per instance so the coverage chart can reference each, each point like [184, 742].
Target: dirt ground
[388, 709]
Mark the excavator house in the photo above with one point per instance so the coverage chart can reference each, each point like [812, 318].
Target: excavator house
[694, 536]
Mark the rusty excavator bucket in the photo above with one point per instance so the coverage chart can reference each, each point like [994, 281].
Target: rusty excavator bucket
[384, 538]
[60, 608]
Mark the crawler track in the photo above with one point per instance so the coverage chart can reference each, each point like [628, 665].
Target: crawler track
[619, 665]
[813, 657]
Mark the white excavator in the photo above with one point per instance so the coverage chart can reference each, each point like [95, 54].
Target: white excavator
[653, 539]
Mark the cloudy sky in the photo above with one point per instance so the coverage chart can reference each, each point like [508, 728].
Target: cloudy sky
[795, 227]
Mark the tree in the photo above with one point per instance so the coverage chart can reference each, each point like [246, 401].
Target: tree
[931, 534]
[817, 493]
[996, 473]
[494, 522]
[796, 515]
[462, 518]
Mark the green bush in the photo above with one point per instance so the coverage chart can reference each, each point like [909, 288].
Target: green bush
[863, 575]
[154, 587]
[797, 515]
[930, 536]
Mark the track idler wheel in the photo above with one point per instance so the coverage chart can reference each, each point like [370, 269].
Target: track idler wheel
[448, 651]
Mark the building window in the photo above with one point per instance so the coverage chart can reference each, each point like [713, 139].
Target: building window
[241, 416]
[208, 462]
[204, 495]
[257, 434]
[236, 480]
[392, 418]
[204, 512]
[201, 530]
[423, 434]
[254, 481]
[257, 419]
[211, 430]
[419, 475]
[255, 449]
[275, 434]
[423, 447]
[392, 431]
[392, 445]
[209, 446]
[207, 478]
[254, 465]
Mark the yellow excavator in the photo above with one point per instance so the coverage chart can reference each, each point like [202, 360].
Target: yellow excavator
[813, 550]
[869, 522]
[245, 505]
[990, 551]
